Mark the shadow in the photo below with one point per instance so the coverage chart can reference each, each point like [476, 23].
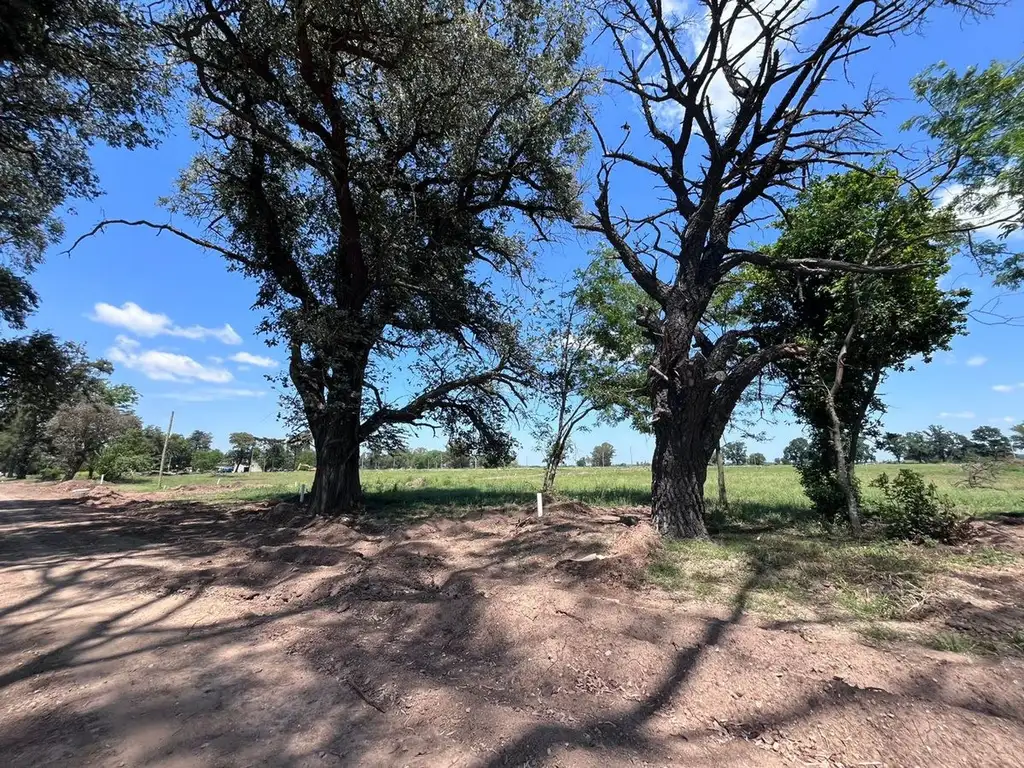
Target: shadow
[145, 634]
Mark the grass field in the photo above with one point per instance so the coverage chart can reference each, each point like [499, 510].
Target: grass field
[767, 493]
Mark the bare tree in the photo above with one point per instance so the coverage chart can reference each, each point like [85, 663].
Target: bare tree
[726, 93]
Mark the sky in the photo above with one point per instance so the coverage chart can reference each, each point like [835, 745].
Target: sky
[180, 328]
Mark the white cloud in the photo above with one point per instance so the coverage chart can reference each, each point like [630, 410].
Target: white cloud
[745, 48]
[957, 415]
[164, 366]
[1005, 387]
[210, 394]
[247, 358]
[989, 221]
[148, 324]
[977, 360]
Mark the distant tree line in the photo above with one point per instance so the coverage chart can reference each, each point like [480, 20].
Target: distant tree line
[933, 445]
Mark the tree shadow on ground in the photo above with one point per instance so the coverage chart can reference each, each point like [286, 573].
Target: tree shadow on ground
[258, 639]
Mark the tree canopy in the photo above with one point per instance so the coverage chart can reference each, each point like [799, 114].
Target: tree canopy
[364, 164]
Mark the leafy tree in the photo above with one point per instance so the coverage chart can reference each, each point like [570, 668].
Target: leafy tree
[990, 442]
[578, 377]
[757, 459]
[978, 120]
[365, 165]
[80, 431]
[602, 455]
[797, 451]
[243, 448]
[125, 455]
[71, 73]
[38, 374]
[854, 328]
[581, 461]
[894, 443]
[735, 452]
[274, 454]
[918, 448]
[200, 441]
[942, 443]
[207, 460]
[718, 169]
[179, 453]
[1017, 436]
[864, 454]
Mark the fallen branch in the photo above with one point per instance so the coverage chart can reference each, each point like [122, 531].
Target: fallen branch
[364, 697]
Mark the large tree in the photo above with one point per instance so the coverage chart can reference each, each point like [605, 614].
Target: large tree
[727, 98]
[367, 163]
[854, 328]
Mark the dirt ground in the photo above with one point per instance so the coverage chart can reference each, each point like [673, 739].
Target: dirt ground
[141, 632]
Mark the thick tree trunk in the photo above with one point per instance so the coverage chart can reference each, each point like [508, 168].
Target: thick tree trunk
[336, 489]
[679, 469]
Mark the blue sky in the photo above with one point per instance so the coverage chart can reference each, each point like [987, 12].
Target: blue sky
[180, 328]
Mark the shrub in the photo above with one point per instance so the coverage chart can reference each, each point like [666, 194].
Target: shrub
[51, 473]
[117, 466]
[915, 511]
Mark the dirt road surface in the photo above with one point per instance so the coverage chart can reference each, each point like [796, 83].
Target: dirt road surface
[136, 632]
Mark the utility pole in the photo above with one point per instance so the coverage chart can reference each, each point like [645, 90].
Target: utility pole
[163, 454]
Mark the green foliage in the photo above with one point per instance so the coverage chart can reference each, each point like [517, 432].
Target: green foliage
[894, 443]
[207, 460]
[991, 443]
[1017, 437]
[71, 73]
[915, 511]
[735, 452]
[38, 374]
[602, 455]
[613, 303]
[796, 452]
[50, 473]
[817, 471]
[855, 328]
[581, 461]
[368, 177]
[977, 119]
[115, 465]
[79, 431]
[757, 460]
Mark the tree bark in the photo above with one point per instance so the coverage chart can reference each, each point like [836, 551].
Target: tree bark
[336, 489]
[723, 499]
[680, 466]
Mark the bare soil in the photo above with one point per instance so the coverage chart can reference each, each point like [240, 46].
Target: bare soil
[135, 631]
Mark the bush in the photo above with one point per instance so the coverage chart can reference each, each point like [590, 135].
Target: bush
[51, 473]
[117, 466]
[914, 511]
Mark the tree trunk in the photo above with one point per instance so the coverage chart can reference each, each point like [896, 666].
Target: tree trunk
[551, 470]
[843, 473]
[336, 489]
[723, 500]
[679, 469]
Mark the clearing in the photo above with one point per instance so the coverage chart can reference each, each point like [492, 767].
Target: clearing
[140, 629]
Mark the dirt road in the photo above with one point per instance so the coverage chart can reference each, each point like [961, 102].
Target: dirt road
[140, 633]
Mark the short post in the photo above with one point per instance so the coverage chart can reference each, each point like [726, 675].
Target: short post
[302, 493]
[218, 481]
[101, 479]
[540, 505]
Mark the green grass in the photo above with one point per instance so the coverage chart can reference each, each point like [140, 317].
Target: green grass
[769, 495]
